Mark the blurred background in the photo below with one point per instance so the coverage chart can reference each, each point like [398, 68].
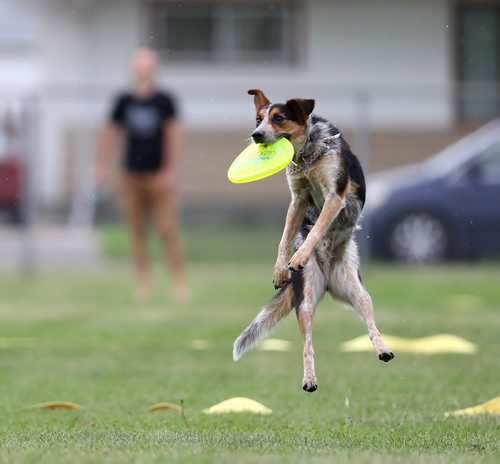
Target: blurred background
[403, 81]
[414, 85]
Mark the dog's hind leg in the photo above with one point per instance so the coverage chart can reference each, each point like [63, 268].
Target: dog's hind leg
[313, 284]
[345, 284]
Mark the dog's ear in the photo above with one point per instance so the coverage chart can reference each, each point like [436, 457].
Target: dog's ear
[259, 99]
[301, 108]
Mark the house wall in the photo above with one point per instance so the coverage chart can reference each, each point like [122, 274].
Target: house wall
[387, 63]
[84, 49]
[19, 60]
[398, 54]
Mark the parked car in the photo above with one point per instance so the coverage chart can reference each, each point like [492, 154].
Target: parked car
[445, 208]
[10, 187]
[11, 169]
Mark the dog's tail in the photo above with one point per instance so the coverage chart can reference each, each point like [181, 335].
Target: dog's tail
[281, 304]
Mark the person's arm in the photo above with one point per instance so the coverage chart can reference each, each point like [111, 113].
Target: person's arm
[171, 148]
[105, 146]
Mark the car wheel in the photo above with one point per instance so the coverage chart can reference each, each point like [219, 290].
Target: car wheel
[419, 238]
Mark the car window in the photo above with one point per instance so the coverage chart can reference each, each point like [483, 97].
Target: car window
[489, 171]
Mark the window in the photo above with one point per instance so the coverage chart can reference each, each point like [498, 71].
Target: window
[479, 61]
[224, 31]
[490, 167]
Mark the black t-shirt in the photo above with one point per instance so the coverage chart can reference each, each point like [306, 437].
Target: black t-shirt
[143, 121]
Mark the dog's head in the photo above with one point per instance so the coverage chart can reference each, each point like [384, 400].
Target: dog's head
[276, 120]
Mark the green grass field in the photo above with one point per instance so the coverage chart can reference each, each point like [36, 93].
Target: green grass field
[81, 337]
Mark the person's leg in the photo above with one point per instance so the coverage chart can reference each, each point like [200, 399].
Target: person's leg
[134, 208]
[166, 220]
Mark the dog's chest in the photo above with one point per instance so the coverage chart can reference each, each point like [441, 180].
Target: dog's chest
[317, 194]
[317, 188]
[345, 222]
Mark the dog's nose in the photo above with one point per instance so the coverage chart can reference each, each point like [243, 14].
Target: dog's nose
[258, 136]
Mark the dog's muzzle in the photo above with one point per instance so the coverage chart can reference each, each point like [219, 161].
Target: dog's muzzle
[258, 136]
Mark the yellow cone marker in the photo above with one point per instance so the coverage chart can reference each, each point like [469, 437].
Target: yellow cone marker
[260, 160]
[435, 344]
[275, 344]
[238, 404]
[165, 407]
[57, 405]
[490, 407]
[200, 345]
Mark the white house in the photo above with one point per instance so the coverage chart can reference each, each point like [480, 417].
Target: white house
[404, 68]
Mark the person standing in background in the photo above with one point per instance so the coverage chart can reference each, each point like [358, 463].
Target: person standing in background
[148, 118]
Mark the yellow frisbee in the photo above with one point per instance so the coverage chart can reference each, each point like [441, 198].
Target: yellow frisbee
[260, 160]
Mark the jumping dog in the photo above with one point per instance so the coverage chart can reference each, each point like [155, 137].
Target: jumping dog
[327, 188]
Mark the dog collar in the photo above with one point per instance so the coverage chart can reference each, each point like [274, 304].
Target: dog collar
[300, 162]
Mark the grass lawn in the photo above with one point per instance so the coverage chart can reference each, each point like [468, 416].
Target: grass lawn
[82, 338]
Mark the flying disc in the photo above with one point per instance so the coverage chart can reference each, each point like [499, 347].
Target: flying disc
[260, 160]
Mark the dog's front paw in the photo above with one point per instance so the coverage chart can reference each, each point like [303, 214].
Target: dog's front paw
[299, 260]
[280, 276]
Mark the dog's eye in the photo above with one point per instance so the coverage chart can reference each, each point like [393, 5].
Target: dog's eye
[279, 119]
[258, 120]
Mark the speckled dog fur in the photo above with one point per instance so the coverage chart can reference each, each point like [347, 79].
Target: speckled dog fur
[327, 189]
